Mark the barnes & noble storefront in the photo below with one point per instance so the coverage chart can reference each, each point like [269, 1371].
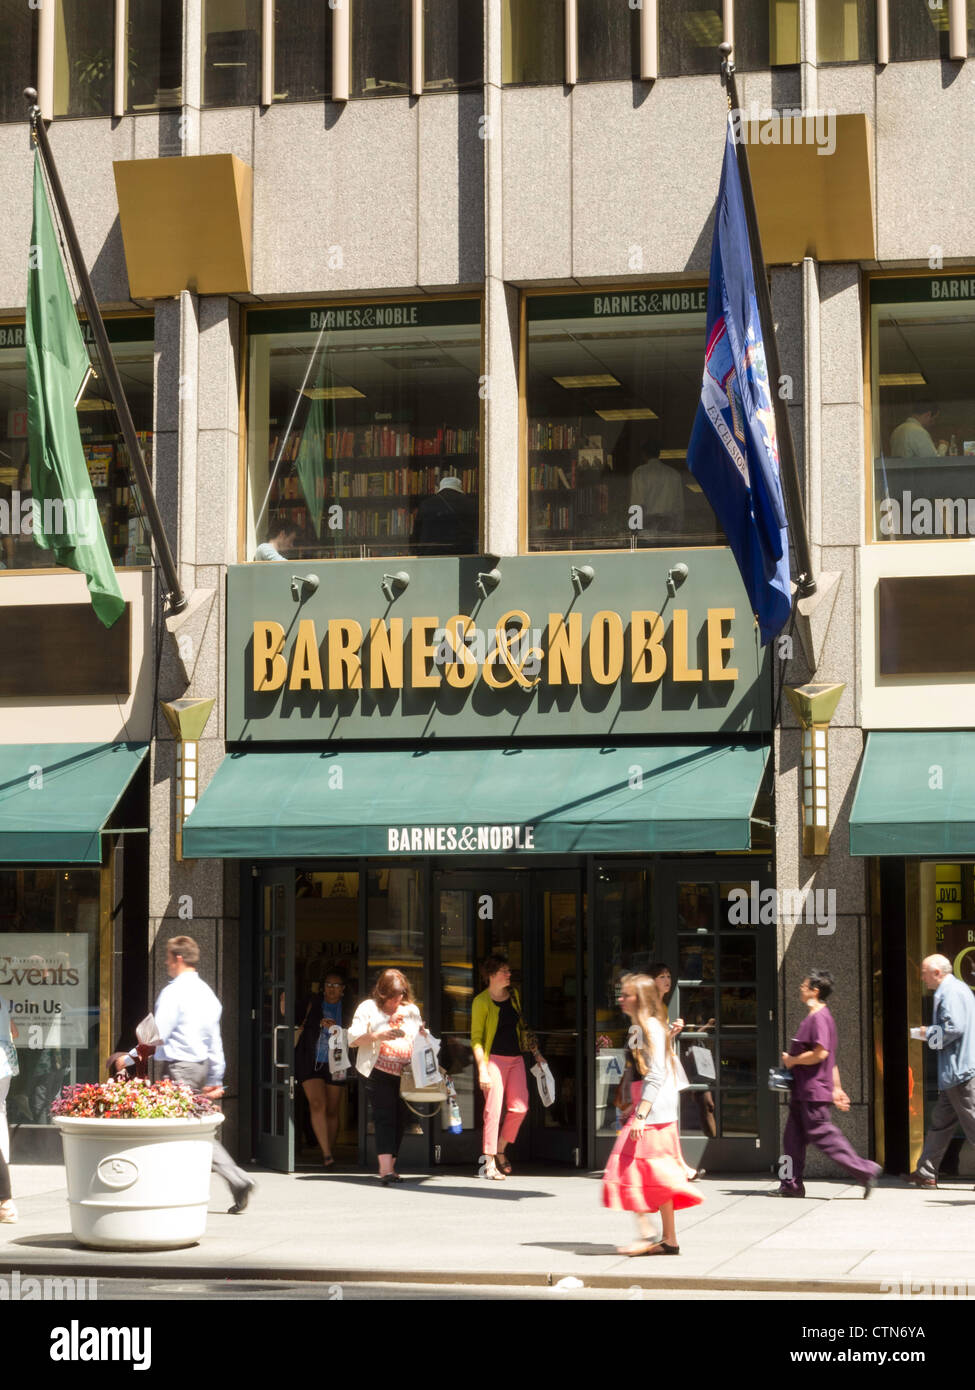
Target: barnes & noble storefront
[566, 764]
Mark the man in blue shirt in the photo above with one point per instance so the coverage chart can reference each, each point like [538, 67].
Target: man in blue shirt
[952, 1036]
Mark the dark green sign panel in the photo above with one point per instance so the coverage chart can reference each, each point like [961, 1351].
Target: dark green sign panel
[548, 652]
[345, 318]
[923, 289]
[611, 304]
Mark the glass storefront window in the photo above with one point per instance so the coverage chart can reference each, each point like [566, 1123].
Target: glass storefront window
[846, 31]
[84, 57]
[533, 40]
[302, 50]
[116, 495]
[154, 30]
[363, 430]
[609, 41]
[624, 945]
[18, 57]
[453, 41]
[49, 976]
[397, 928]
[923, 393]
[380, 48]
[614, 381]
[231, 52]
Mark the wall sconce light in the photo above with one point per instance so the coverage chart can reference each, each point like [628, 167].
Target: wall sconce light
[675, 578]
[397, 582]
[815, 704]
[582, 576]
[488, 581]
[187, 719]
[302, 585]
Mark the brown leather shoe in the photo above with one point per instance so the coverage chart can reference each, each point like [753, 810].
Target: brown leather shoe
[917, 1179]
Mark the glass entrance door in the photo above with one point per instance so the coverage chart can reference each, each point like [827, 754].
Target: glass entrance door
[535, 919]
[275, 1030]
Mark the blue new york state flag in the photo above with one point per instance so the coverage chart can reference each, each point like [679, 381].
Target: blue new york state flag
[733, 451]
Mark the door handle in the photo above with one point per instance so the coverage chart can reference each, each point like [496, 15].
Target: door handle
[280, 1028]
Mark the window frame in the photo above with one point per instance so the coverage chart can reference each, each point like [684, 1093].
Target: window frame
[867, 307]
[348, 301]
[615, 287]
[44, 76]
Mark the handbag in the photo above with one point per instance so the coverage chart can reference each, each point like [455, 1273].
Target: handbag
[702, 1060]
[780, 1079]
[412, 1095]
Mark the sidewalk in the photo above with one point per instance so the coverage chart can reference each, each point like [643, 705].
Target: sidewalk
[536, 1228]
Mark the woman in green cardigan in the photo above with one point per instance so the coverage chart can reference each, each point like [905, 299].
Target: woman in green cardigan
[499, 1038]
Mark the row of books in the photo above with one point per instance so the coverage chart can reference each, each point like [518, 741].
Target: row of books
[383, 441]
[391, 482]
[547, 434]
[559, 516]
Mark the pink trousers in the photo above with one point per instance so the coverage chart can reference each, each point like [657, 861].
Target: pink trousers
[509, 1086]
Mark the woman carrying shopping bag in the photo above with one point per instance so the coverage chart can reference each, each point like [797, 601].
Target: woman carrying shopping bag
[645, 1172]
[499, 1038]
[321, 1082]
[384, 1028]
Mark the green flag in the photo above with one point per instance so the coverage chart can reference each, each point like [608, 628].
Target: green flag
[66, 518]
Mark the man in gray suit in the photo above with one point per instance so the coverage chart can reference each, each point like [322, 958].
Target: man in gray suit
[952, 1036]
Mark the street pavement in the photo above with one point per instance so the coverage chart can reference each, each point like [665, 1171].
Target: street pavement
[535, 1229]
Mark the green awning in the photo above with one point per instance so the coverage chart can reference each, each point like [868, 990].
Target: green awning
[55, 798]
[563, 800]
[916, 794]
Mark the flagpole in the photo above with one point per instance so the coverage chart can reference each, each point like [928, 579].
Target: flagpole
[177, 599]
[788, 470]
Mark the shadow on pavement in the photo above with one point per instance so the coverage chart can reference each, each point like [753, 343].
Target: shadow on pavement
[418, 1183]
[570, 1247]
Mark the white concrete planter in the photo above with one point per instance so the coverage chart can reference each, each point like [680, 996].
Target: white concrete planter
[138, 1184]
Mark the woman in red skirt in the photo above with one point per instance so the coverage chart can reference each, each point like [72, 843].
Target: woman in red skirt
[645, 1172]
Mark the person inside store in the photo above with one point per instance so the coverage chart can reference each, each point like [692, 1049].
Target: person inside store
[646, 1172]
[446, 523]
[384, 1029]
[281, 537]
[499, 1039]
[656, 500]
[912, 438]
[318, 1014]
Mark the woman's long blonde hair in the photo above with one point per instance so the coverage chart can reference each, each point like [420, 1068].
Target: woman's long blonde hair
[649, 1005]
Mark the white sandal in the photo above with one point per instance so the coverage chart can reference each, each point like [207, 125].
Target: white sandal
[492, 1171]
[8, 1212]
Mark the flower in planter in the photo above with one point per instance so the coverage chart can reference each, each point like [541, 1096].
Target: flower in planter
[131, 1100]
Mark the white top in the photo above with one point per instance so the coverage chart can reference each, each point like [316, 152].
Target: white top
[660, 1082]
[187, 1015]
[266, 551]
[660, 493]
[369, 1018]
[912, 441]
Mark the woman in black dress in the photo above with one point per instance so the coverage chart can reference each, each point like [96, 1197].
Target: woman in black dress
[321, 1085]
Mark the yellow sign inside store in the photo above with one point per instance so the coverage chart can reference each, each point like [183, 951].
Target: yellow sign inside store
[424, 653]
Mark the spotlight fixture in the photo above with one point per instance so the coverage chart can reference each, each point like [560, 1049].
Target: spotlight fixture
[302, 585]
[488, 581]
[675, 578]
[582, 576]
[394, 582]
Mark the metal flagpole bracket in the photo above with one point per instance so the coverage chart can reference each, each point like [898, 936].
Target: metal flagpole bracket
[113, 382]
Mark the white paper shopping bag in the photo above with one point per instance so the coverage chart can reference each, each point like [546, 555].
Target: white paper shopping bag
[426, 1049]
[542, 1073]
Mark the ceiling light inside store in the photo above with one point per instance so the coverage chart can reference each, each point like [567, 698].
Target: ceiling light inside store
[333, 393]
[902, 379]
[704, 28]
[637, 412]
[94, 403]
[673, 454]
[577, 383]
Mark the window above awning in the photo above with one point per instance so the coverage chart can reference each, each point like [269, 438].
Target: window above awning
[916, 794]
[55, 798]
[561, 800]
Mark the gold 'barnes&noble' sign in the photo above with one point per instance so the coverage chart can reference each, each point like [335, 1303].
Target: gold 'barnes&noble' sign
[421, 653]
